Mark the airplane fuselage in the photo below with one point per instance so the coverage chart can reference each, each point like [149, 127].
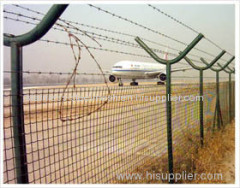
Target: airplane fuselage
[136, 70]
[140, 70]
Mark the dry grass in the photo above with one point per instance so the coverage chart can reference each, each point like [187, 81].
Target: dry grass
[217, 156]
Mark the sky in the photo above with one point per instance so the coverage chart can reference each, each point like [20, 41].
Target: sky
[216, 22]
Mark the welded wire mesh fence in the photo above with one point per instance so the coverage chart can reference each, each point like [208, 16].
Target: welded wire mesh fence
[126, 133]
[90, 134]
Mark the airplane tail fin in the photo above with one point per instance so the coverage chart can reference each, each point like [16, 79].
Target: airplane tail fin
[165, 56]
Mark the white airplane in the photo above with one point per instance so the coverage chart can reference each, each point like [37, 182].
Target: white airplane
[140, 70]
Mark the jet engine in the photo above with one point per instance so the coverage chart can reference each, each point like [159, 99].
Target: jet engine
[112, 78]
[162, 77]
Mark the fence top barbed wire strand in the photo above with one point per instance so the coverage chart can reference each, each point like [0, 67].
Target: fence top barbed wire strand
[37, 12]
[144, 27]
[101, 49]
[107, 30]
[197, 61]
[85, 73]
[138, 24]
[125, 20]
[99, 28]
[186, 26]
[97, 48]
[105, 38]
[66, 43]
[137, 46]
[174, 19]
[56, 42]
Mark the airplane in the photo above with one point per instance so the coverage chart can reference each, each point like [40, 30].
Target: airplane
[140, 70]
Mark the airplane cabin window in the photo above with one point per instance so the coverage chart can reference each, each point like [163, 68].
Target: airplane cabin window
[117, 67]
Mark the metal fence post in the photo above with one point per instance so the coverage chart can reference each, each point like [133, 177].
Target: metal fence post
[201, 107]
[217, 113]
[229, 71]
[18, 114]
[168, 64]
[16, 43]
[218, 108]
[201, 69]
[230, 96]
[234, 85]
[169, 118]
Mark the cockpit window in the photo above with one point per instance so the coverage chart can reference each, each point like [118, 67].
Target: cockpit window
[119, 67]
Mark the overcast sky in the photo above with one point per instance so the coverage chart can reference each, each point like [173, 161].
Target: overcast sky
[216, 22]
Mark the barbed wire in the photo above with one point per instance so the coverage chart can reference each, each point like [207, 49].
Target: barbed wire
[28, 9]
[96, 35]
[77, 57]
[99, 28]
[117, 32]
[107, 50]
[187, 26]
[99, 36]
[65, 43]
[137, 24]
[154, 31]
[121, 33]
[87, 73]
[54, 73]
[96, 48]
[83, 32]
[174, 19]
[91, 47]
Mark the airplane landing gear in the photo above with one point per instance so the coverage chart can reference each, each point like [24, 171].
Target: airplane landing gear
[134, 83]
[160, 83]
[120, 82]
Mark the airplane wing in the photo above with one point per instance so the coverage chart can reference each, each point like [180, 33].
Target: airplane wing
[155, 73]
[181, 69]
[107, 72]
